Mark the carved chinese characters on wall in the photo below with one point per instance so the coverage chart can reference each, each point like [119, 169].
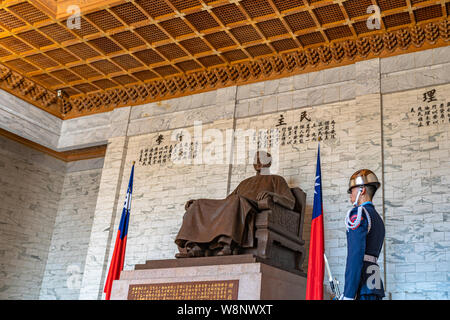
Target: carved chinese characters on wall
[160, 153]
[302, 131]
[305, 130]
[286, 129]
[432, 111]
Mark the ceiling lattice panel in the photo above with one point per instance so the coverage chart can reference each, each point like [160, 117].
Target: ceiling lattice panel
[121, 44]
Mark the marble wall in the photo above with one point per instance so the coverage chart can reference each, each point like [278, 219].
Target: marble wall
[67, 253]
[30, 188]
[416, 129]
[23, 119]
[46, 213]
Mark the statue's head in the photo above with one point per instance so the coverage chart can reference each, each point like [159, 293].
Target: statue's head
[262, 159]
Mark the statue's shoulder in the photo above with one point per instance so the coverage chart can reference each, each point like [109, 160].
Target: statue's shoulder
[278, 177]
[246, 180]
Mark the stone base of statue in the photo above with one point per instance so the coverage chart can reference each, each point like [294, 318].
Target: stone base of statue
[239, 277]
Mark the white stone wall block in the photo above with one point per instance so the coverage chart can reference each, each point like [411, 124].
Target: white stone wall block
[284, 101]
[300, 81]
[347, 91]
[242, 109]
[255, 107]
[243, 92]
[397, 63]
[270, 104]
[315, 78]
[440, 55]
[225, 95]
[331, 94]
[300, 99]
[285, 84]
[315, 96]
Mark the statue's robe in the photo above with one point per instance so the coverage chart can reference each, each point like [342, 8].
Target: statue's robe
[206, 219]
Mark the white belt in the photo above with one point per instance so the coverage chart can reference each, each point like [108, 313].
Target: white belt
[369, 258]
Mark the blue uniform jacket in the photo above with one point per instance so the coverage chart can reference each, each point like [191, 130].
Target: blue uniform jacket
[361, 277]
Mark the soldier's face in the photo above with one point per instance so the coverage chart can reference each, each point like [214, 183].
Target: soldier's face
[353, 194]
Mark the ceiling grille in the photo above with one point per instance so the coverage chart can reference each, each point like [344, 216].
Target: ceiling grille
[140, 41]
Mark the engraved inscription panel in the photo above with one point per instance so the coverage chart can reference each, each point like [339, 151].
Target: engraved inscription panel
[198, 290]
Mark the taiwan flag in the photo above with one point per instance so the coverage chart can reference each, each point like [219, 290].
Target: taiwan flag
[314, 285]
[118, 257]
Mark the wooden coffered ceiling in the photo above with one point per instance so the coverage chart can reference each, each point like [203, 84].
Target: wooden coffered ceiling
[134, 52]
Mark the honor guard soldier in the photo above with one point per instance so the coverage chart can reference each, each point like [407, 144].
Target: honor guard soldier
[365, 237]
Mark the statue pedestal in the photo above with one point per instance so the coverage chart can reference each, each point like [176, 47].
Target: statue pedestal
[240, 277]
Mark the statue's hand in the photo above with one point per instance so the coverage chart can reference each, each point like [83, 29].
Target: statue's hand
[264, 194]
[188, 204]
[273, 198]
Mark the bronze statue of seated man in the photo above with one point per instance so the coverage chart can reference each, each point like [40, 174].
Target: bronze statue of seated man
[222, 227]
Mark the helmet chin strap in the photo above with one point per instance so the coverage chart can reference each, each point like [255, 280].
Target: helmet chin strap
[348, 223]
[357, 196]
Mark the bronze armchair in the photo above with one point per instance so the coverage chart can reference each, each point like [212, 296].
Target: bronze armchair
[279, 233]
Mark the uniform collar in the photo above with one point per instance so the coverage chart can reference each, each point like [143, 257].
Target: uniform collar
[367, 202]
